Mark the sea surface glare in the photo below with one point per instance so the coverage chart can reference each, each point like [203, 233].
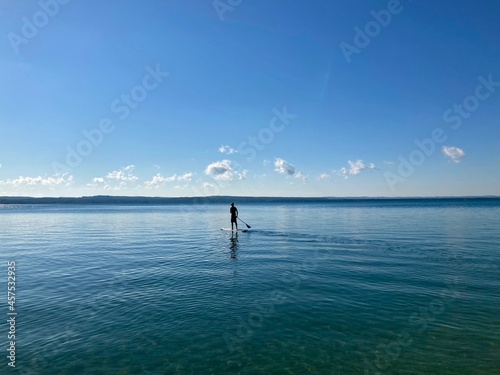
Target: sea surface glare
[334, 287]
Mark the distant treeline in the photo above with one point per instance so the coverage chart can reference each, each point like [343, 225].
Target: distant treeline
[109, 199]
[125, 200]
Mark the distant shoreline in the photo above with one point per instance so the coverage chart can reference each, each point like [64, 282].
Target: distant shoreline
[141, 200]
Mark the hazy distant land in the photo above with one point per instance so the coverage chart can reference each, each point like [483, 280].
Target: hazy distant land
[141, 200]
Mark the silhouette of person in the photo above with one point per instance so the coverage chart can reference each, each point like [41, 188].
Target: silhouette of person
[234, 215]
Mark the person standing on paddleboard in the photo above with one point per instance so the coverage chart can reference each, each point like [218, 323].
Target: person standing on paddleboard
[234, 215]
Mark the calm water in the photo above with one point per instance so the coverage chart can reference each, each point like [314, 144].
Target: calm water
[408, 287]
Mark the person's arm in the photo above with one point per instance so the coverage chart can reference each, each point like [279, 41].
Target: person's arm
[236, 212]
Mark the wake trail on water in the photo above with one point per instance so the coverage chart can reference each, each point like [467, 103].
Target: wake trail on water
[435, 251]
[330, 239]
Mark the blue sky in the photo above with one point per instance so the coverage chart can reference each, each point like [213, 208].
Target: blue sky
[228, 97]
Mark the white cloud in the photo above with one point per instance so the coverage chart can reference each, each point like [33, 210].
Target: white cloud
[96, 182]
[220, 170]
[324, 176]
[65, 179]
[185, 177]
[454, 153]
[282, 166]
[355, 168]
[300, 176]
[120, 177]
[158, 179]
[123, 174]
[227, 150]
[223, 170]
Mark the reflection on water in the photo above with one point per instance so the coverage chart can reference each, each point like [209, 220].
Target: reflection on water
[233, 244]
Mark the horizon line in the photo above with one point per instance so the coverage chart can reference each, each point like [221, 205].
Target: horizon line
[251, 196]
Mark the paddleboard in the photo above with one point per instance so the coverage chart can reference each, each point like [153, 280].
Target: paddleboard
[234, 230]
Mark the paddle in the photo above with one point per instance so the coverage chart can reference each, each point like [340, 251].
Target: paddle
[248, 226]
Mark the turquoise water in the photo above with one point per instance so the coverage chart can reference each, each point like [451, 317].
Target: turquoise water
[388, 287]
